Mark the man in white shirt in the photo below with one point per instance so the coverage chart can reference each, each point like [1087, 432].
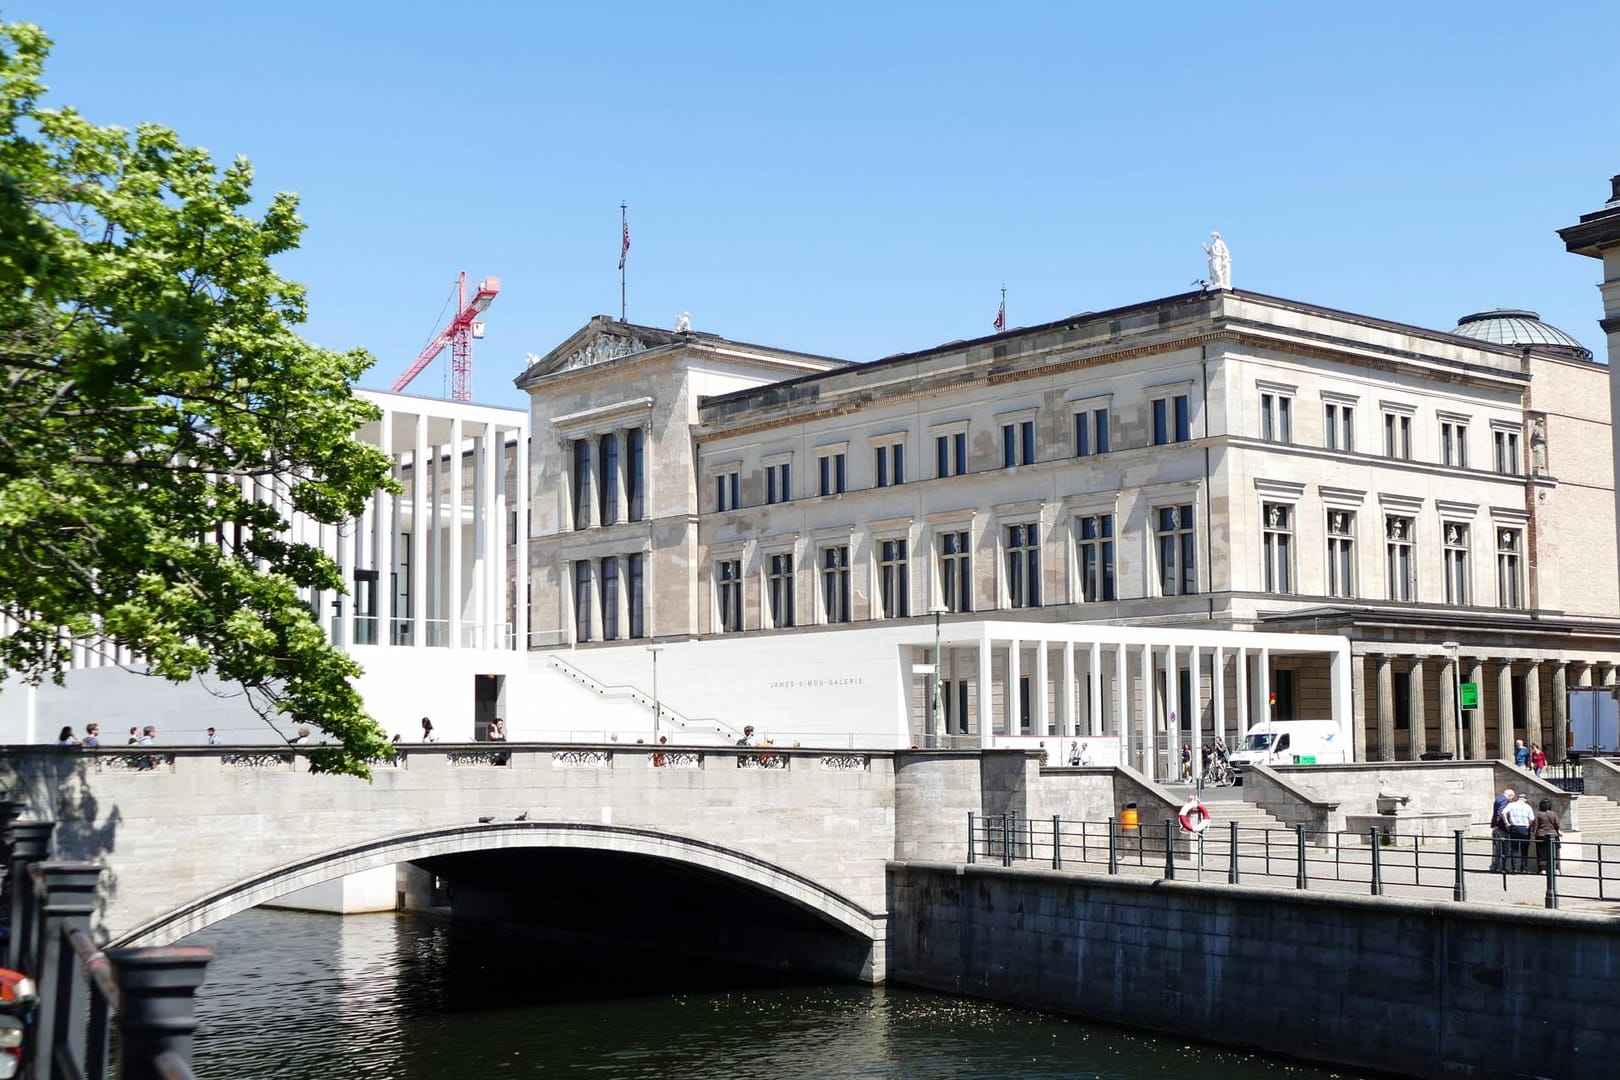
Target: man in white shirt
[1519, 817]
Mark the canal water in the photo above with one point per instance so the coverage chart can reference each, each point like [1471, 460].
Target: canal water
[317, 997]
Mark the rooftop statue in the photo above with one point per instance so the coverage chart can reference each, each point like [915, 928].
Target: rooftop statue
[1220, 262]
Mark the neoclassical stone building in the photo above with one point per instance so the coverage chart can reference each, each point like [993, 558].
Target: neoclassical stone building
[1217, 460]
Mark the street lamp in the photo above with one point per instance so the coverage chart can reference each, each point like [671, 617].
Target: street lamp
[655, 650]
[1451, 648]
[933, 698]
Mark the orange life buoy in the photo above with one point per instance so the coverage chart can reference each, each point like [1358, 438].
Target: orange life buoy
[1194, 815]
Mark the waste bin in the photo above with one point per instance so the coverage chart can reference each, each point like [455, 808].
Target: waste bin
[1128, 818]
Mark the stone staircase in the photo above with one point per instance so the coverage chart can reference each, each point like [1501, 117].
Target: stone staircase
[1247, 815]
[1599, 819]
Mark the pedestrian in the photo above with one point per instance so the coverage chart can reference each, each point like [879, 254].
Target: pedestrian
[148, 735]
[1499, 844]
[134, 736]
[67, 738]
[1538, 759]
[427, 731]
[1085, 755]
[1521, 754]
[658, 758]
[1074, 752]
[747, 736]
[1546, 829]
[1519, 817]
[303, 736]
[213, 738]
[92, 735]
[497, 730]
[1186, 763]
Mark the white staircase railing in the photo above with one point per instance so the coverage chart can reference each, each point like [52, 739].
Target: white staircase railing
[626, 692]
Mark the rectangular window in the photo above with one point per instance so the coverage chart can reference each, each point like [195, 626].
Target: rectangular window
[1178, 563]
[889, 464]
[1508, 589]
[955, 571]
[582, 483]
[1096, 558]
[780, 580]
[835, 583]
[1339, 432]
[635, 475]
[1278, 545]
[777, 480]
[1171, 420]
[1276, 422]
[950, 454]
[610, 599]
[1018, 443]
[1023, 565]
[1507, 451]
[582, 600]
[1341, 555]
[1454, 443]
[894, 578]
[728, 588]
[635, 596]
[832, 474]
[727, 489]
[1456, 562]
[1090, 432]
[1398, 436]
[1402, 566]
[608, 480]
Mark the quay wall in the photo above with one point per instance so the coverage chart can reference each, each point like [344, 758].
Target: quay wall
[1410, 987]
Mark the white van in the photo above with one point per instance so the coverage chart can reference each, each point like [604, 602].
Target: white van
[1291, 742]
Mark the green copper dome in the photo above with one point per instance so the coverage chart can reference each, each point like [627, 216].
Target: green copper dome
[1510, 326]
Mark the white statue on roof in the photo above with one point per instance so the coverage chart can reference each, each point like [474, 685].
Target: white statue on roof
[1220, 262]
[684, 322]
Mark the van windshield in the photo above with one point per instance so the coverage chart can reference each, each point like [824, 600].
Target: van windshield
[1260, 741]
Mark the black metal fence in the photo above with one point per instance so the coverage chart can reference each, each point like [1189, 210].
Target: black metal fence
[128, 1013]
[1376, 862]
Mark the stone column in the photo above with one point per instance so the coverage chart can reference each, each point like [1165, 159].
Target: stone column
[1196, 703]
[1040, 720]
[1358, 705]
[1448, 708]
[1144, 714]
[1560, 719]
[1476, 733]
[1217, 691]
[1532, 704]
[1066, 718]
[1386, 707]
[1583, 675]
[1122, 703]
[1504, 711]
[1094, 689]
[1417, 738]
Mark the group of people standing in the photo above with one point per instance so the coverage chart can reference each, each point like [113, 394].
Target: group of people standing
[1516, 828]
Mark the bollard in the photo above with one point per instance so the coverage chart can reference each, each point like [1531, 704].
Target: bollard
[29, 842]
[973, 838]
[1299, 855]
[1460, 891]
[1377, 862]
[1232, 861]
[64, 890]
[159, 1013]
[1552, 872]
[1169, 850]
[1113, 846]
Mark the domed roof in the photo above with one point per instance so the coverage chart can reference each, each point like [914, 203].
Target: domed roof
[1510, 326]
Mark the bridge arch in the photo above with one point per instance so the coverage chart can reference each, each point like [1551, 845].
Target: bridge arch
[797, 889]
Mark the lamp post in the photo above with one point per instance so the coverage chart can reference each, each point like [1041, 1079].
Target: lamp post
[933, 697]
[655, 650]
[1451, 648]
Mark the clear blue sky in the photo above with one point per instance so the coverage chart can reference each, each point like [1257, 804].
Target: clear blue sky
[861, 179]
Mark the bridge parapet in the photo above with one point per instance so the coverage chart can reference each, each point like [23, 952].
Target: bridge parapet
[178, 825]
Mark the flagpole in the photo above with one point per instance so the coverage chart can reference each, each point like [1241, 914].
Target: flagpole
[1004, 305]
[624, 230]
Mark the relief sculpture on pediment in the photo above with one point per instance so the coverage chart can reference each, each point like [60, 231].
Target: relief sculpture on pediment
[601, 350]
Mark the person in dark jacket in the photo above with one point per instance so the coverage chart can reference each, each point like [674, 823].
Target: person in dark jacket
[1546, 828]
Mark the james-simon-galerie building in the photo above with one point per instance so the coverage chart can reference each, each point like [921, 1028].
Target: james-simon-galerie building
[1155, 523]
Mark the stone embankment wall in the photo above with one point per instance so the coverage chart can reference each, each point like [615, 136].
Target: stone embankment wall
[1416, 988]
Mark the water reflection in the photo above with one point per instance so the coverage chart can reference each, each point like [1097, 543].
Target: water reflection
[291, 995]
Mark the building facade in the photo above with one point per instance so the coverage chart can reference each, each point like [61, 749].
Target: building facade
[1218, 460]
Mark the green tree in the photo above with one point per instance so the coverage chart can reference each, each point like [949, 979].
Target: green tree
[159, 418]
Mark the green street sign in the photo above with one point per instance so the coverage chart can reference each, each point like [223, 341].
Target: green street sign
[1470, 695]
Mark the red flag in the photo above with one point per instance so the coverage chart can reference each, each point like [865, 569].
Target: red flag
[624, 249]
[1001, 316]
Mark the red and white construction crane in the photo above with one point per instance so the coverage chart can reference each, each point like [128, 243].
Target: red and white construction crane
[458, 335]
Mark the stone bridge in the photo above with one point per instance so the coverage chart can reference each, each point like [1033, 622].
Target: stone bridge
[696, 845]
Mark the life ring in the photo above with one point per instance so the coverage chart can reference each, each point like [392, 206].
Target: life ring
[1194, 816]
